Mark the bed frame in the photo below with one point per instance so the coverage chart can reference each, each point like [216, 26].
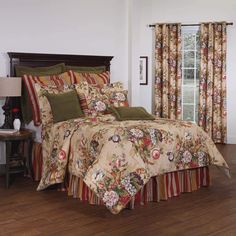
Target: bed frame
[39, 60]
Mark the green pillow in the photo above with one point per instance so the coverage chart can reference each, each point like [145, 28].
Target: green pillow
[40, 71]
[64, 106]
[35, 71]
[88, 69]
[131, 113]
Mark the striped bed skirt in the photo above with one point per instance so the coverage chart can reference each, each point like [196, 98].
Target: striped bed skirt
[158, 188]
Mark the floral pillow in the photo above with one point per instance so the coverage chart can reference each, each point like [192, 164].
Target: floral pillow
[92, 101]
[118, 97]
[44, 105]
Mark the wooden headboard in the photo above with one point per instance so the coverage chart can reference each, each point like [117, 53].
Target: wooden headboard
[38, 60]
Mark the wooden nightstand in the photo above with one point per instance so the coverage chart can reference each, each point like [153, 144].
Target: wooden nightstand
[15, 153]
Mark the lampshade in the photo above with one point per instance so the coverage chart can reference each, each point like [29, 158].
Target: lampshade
[10, 86]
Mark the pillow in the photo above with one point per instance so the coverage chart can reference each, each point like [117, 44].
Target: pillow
[35, 71]
[64, 106]
[40, 71]
[131, 113]
[98, 79]
[80, 69]
[92, 101]
[46, 116]
[118, 97]
[29, 81]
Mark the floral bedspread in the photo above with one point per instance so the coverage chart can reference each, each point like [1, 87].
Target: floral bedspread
[116, 159]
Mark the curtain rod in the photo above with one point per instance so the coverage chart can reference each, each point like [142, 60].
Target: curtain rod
[229, 23]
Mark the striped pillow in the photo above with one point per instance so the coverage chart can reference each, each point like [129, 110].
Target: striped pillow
[53, 80]
[98, 79]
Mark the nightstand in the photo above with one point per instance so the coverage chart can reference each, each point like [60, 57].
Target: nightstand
[18, 153]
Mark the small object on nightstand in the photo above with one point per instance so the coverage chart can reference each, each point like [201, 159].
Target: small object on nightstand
[17, 161]
[16, 124]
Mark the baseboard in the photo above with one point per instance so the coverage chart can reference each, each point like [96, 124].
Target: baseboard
[231, 139]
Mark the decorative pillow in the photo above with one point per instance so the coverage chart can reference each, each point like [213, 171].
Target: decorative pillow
[29, 81]
[35, 71]
[92, 101]
[131, 113]
[64, 106]
[40, 71]
[118, 97]
[98, 79]
[44, 106]
[88, 69]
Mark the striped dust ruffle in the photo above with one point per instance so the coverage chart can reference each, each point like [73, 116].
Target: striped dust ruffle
[158, 188]
[37, 161]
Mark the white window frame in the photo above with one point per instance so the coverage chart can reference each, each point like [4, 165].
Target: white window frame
[187, 29]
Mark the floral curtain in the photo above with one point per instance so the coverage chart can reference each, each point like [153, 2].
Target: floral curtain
[167, 94]
[212, 89]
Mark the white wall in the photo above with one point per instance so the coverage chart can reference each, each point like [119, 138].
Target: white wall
[66, 26]
[185, 11]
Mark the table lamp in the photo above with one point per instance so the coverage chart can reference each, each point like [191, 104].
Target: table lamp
[9, 87]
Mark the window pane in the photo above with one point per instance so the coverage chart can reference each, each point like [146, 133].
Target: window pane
[190, 73]
[197, 94]
[188, 112]
[198, 76]
[188, 76]
[189, 59]
[188, 94]
[198, 59]
[198, 41]
[189, 41]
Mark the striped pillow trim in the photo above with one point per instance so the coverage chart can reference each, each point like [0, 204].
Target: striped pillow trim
[83, 103]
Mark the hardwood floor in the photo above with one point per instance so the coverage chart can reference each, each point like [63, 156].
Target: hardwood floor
[209, 211]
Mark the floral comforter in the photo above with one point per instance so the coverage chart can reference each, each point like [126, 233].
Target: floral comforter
[116, 159]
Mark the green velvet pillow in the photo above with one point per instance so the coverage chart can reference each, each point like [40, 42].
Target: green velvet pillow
[64, 106]
[131, 113]
[35, 71]
[88, 69]
[40, 71]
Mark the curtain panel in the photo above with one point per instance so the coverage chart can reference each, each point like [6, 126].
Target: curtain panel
[212, 88]
[167, 91]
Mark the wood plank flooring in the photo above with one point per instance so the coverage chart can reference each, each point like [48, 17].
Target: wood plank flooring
[209, 211]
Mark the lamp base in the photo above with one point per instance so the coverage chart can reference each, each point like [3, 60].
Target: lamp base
[8, 120]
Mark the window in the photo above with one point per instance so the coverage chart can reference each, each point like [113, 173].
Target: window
[190, 73]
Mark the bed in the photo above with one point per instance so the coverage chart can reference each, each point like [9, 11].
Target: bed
[119, 163]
